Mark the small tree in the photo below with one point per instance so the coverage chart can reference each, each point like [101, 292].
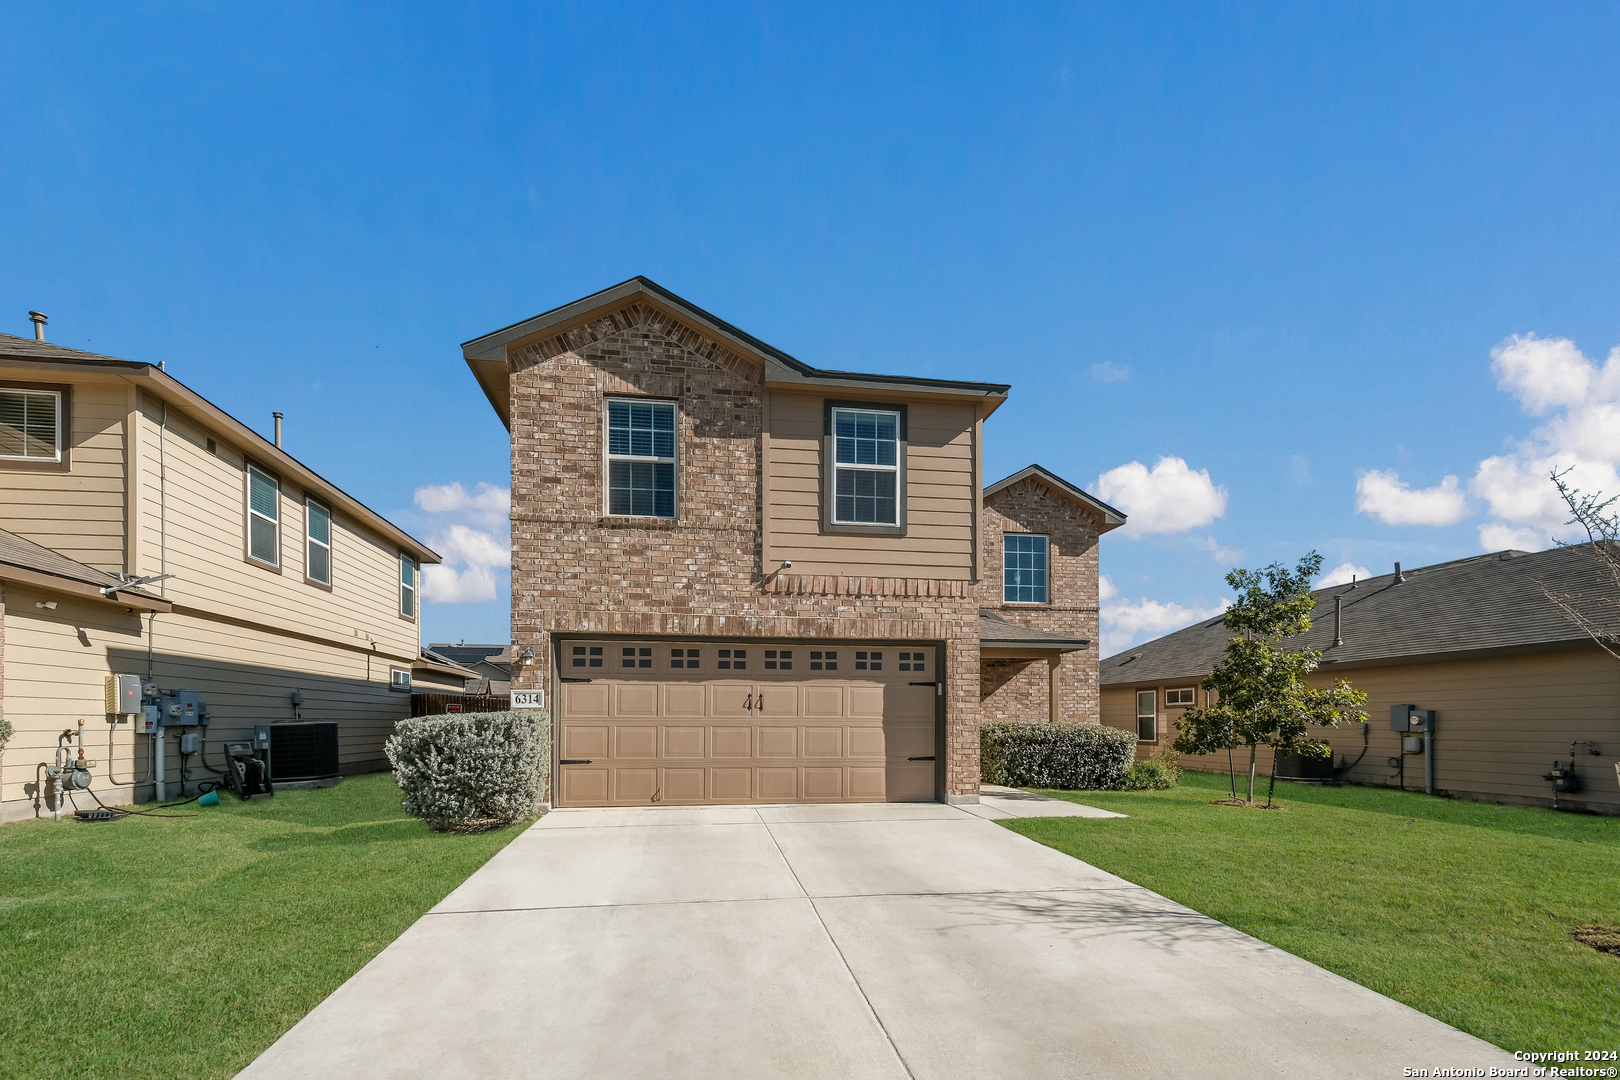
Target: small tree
[1261, 695]
[1599, 616]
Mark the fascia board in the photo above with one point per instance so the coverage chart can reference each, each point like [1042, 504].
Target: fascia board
[81, 590]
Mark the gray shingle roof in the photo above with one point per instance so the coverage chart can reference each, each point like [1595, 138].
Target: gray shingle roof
[997, 633]
[473, 654]
[1485, 602]
[23, 553]
[29, 349]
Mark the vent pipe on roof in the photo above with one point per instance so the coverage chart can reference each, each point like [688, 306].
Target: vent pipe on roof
[1338, 620]
[39, 321]
[1400, 578]
[278, 434]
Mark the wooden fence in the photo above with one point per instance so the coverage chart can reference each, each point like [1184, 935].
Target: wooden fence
[438, 704]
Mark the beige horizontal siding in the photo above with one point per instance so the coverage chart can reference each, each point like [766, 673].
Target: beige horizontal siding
[1500, 724]
[939, 496]
[79, 513]
[54, 678]
[204, 508]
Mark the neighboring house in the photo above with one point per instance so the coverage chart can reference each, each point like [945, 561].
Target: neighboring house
[278, 581]
[492, 664]
[435, 673]
[744, 579]
[1513, 682]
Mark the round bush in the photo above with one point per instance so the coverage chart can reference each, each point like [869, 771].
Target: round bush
[1070, 757]
[470, 771]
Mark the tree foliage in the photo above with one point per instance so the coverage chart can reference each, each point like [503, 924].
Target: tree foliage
[1261, 694]
[1598, 616]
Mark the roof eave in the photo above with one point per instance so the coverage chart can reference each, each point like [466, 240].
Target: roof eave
[1112, 518]
[488, 354]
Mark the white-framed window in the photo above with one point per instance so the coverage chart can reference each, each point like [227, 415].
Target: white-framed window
[264, 516]
[866, 466]
[399, 679]
[641, 458]
[1180, 695]
[1147, 716]
[1024, 565]
[317, 542]
[407, 587]
[30, 424]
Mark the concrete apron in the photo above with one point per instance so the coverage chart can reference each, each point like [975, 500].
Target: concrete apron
[845, 941]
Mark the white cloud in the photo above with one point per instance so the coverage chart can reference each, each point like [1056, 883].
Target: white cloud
[1108, 371]
[1342, 575]
[1552, 378]
[1494, 536]
[1221, 553]
[486, 502]
[1169, 498]
[1384, 496]
[472, 555]
[1130, 622]
[446, 585]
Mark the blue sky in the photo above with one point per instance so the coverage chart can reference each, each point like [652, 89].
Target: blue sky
[1274, 244]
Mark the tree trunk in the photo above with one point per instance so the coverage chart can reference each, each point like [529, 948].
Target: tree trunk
[1254, 750]
[1270, 791]
[1231, 769]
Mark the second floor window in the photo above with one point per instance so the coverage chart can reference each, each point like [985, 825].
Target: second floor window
[407, 587]
[317, 542]
[30, 424]
[641, 458]
[1024, 573]
[866, 467]
[264, 517]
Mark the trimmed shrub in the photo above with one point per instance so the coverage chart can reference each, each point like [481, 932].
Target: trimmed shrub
[1067, 756]
[472, 771]
[1154, 773]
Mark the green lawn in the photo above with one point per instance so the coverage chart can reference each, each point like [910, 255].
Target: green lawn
[184, 947]
[1461, 910]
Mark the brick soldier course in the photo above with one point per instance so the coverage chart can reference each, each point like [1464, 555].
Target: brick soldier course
[577, 570]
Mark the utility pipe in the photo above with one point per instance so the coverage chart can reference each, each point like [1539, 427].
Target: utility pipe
[157, 761]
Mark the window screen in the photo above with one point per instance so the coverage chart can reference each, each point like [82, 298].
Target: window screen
[1024, 569]
[641, 458]
[30, 426]
[264, 517]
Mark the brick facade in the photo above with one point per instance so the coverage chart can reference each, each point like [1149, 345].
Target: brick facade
[576, 570]
[1019, 689]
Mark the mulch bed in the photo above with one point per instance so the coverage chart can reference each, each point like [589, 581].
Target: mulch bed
[1246, 804]
[1604, 937]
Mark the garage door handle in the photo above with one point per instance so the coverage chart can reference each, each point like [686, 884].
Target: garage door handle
[574, 761]
[930, 757]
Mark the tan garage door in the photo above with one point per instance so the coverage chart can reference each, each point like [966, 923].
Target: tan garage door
[737, 722]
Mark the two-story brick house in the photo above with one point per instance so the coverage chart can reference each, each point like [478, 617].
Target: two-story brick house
[277, 596]
[744, 579]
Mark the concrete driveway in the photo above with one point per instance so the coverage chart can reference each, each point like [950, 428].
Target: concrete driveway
[836, 941]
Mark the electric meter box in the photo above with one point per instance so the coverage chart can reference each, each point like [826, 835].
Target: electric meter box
[180, 708]
[123, 694]
[1410, 718]
[147, 720]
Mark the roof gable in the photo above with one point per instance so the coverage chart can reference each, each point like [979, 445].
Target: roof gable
[490, 356]
[1111, 518]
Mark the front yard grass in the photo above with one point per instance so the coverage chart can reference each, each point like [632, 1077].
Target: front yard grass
[1461, 910]
[183, 947]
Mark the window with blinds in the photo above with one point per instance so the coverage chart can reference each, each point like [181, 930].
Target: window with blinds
[407, 587]
[30, 424]
[641, 458]
[264, 517]
[317, 542]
